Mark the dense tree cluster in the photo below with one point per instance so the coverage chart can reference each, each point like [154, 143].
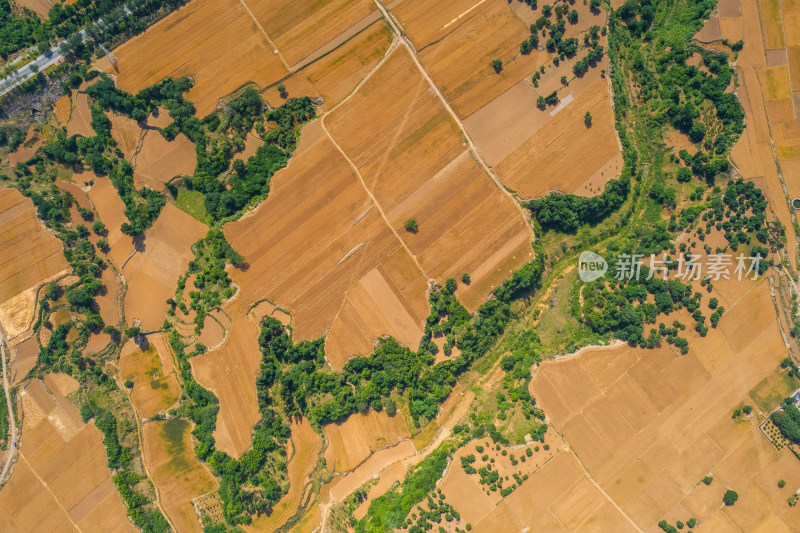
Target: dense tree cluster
[787, 420]
[567, 212]
[120, 20]
[623, 307]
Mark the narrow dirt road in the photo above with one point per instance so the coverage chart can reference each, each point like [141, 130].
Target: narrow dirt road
[12, 447]
[472, 148]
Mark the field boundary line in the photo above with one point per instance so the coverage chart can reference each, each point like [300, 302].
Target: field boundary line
[372, 197]
[474, 149]
[35, 473]
[270, 41]
[462, 14]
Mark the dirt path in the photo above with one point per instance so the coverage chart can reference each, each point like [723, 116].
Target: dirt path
[269, 41]
[12, 450]
[599, 488]
[472, 148]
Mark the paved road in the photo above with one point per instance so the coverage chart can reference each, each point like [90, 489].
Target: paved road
[47, 59]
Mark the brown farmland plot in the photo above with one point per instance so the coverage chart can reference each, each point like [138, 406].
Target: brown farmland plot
[152, 274]
[160, 160]
[306, 445]
[31, 257]
[353, 440]
[336, 74]
[152, 390]
[201, 39]
[656, 426]
[176, 471]
[565, 154]
[80, 122]
[413, 159]
[61, 481]
[298, 28]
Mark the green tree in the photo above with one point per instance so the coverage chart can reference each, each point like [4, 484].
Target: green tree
[465, 279]
[411, 225]
[730, 497]
[587, 119]
[497, 65]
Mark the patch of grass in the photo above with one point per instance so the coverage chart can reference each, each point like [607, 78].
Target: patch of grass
[192, 203]
[772, 390]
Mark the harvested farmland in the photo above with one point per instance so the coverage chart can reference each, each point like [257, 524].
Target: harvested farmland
[307, 245]
[414, 161]
[299, 28]
[61, 480]
[178, 474]
[338, 73]
[343, 240]
[305, 447]
[353, 441]
[160, 160]
[152, 390]
[126, 132]
[152, 273]
[547, 160]
[200, 40]
[31, 257]
[80, 122]
[625, 413]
